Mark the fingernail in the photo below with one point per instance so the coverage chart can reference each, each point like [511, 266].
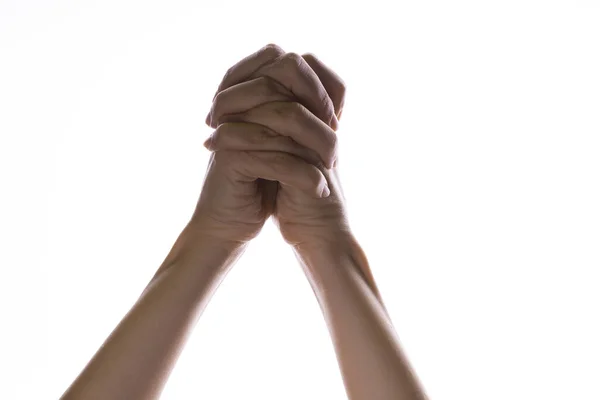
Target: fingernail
[325, 192]
[208, 121]
[208, 143]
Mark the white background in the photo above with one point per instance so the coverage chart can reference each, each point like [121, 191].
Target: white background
[469, 157]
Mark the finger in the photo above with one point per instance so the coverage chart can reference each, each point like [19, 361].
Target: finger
[253, 137]
[285, 168]
[293, 72]
[246, 95]
[294, 120]
[334, 85]
[248, 65]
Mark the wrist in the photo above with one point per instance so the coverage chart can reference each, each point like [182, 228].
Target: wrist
[341, 241]
[197, 248]
[324, 256]
[199, 234]
[328, 263]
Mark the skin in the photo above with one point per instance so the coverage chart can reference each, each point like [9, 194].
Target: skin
[274, 152]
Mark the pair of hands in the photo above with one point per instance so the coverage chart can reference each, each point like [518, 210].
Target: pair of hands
[274, 151]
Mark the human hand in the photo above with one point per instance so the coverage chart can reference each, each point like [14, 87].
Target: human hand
[241, 183]
[283, 103]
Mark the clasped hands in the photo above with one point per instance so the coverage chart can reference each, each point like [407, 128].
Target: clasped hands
[274, 151]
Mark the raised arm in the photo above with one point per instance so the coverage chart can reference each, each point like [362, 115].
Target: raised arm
[292, 104]
[136, 359]
[237, 197]
[368, 350]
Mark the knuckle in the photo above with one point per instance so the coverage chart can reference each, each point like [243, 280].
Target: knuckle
[217, 135]
[218, 97]
[341, 98]
[342, 87]
[309, 56]
[216, 105]
[273, 49]
[228, 73]
[333, 141]
[333, 145]
[292, 59]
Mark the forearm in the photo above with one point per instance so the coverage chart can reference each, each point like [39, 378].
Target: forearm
[136, 359]
[371, 360]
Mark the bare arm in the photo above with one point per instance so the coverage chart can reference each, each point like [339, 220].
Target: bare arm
[299, 115]
[238, 195]
[236, 199]
[136, 359]
[371, 360]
